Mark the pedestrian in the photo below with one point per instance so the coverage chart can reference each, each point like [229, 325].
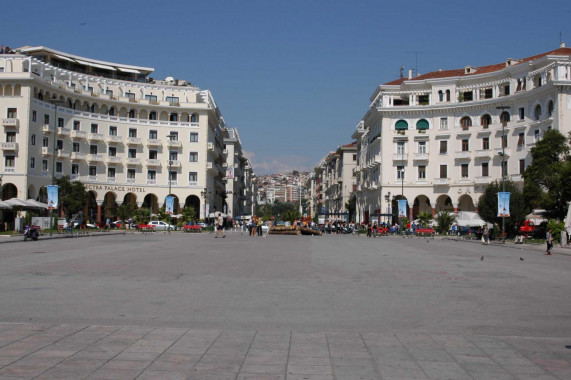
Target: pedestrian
[220, 225]
[369, 229]
[375, 229]
[549, 239]
[486, 235]
[107, 224]
[259, 226]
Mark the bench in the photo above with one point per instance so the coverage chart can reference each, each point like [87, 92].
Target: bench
[192, 228]
[146, 229]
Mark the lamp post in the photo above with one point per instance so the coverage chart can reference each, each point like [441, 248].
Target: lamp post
[171, 138]
[387, 199]
[55, 102]
[504, 124]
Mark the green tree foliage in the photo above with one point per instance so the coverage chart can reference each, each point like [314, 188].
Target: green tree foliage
[276, 209]
[71, 195]
[488, 205]
[351, 206]
[556, 227]
[124, 212]
[142, 215]
[291, 215]
[444, 220]
[546, 179]
[188, 214]
[424, 218]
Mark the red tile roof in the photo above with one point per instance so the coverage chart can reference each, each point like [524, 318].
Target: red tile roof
[479, 70]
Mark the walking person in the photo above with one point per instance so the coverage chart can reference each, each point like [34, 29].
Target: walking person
[259, 226]
[220, 225]
[486, 235]
[549, 240]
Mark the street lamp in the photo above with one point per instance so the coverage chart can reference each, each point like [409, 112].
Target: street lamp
[387, 199]
[171, 138]
[504, 124]
[55, 101]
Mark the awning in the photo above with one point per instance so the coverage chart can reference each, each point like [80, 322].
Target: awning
[37, 203]
[21, 204]
[401, 125]
[105, 67]
[5, 206]
[422, 124]
[133, 71]
[64, 58]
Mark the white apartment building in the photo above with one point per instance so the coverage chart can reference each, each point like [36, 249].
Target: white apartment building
[335, 180]
[238, 173]
[127, 137]
[437, 139]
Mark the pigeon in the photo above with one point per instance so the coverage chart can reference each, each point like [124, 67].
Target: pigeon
[482, 259]
[521, 258]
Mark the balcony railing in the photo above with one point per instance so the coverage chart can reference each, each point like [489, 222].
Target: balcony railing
[421, 156]
[483, 153]
[95, 137]
[400, 156]
[174, 143]
[131, 181]
[62, 153]
[133, 161]
[10, 122]
[63, 131]
[9, 146]
[47, 151]
[482, 180]
[151, 181]
[174, 163]
[95, 157]
[114, 139]
[114, 160]
[463, 155]
[441, 181]
[153, 142]
[46, 128]
[77, 156]
[153, 162]
[134, 140]
[78, 134]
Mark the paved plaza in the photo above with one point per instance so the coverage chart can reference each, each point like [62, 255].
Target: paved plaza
[188, 306]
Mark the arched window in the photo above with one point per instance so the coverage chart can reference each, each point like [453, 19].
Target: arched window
[194, 118]
[537, 112]
[550, 108]
[173, 116]
[131, 114]
[401, 125]
[153, 115]
[440, 96]
[505, 117]
[422, 124]
[465, 122]
[447, 95]
[485, 121]
[112, 111]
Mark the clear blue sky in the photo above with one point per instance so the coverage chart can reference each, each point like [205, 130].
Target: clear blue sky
[293, 76]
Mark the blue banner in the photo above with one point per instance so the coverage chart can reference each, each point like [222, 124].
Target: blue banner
[503, 204]
[52, 197]
[402, 208]
[169, 204]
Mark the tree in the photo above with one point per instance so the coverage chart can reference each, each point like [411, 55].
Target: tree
[351, 206]
[546, 179]
[291, 215]
[124, 212]
[444, 220]
[71, 195]
[188, 214]
[142, 215]
[488, 205]
[424, 218]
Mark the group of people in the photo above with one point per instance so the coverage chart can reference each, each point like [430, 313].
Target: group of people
[254, 226]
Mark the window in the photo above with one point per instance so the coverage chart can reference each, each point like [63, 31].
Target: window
[440, 96]
[536, 135]
[109, 92]
[59, 167]
[130, 96]
[354, 157]
[485, 143]
[110, 172]
[467, 96]
[504, 168]
[153, 134]
[93, 149]
[75, 169]
[46, 119]
[443, 123]
[504, 140]
[153, 154]
[521, 166]
[153, 115]
[132, 153]
[443, 171]
[112, 131]
[422, 125]
[550, 108]
[10, 136]
[506, 89]
[172, 176]
[464, 171]
[94, 128]
[193, 177]
[33, 139]
[422, 147]
[93, 171]
[32, 162]
[151, 98]
[173, 156]
[193, 157]
[400, 172]
[132, 114]
[447, 95]
[504, 117]
[34, 116]
[131, 173]
[444, 147]
[151, 174]
[422, 172]
[112, 151]
[521, 139]
[173, 100]
[173, 136]
[537, 112]
[485, 169]
[76, 125]
[521, 113]
[45, 142]
[400, 148]
[45, 165]
[401, 125]
[75, 147]
[485, 121]
[465, 145]
[194, 137]
[59, 145]
[465, 122]
[132, 132]
[60, 122]
[486, 93]
[194, 118]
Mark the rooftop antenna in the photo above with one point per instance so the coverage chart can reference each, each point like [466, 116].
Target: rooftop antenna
[416, 53]
[402, 71]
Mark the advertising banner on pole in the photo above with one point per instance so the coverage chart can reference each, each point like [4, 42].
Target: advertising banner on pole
[504, 204]
[169, 204]
[402, 208]
[230, 173]
[52, 197]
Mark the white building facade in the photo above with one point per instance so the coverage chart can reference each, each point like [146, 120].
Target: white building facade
[437, 139]
[127, 137]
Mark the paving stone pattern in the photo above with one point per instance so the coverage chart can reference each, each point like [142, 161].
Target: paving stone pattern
[36, 351]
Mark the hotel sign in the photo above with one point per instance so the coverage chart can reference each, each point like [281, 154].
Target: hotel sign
[128, 189]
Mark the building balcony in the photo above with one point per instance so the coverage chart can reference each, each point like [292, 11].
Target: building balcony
[483, 153]
[74, 177]
[174, 163]
[77, 155]
[400, 156]
[92, 178]
[10, 122]
[154, 142]
[9, 146]
[62, 154]
[421, 156]
[111, 180]
[464, 155]
[47, 129]
[95, 137]
[151, 182]
[131, 181]
[225, 151]
[111, 139]
[113, 160]
[78, 134]
[441, 181]
[173, 183]
[134, 140]
[210, 147]
[482, 180]
[95, 158]
[506, 152]
[47, 151]
[153, 162]
[133, 161]
[174, 143]
[9, 170]
[63, 131]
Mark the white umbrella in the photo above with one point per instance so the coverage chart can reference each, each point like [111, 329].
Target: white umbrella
[19, 203]
[568, 219]
[38, 204]
[5, 206]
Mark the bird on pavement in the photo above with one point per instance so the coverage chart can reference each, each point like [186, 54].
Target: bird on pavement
[482, 259]
[521, 258]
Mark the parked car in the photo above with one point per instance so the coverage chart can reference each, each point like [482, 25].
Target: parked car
[203, 225]
[159, 225]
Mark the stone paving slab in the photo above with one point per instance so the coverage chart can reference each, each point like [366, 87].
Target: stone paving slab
[40, 351]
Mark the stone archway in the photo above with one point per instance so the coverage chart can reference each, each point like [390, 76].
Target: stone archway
[395, 208]
[90, 210]
[110, 205]
[152, 203]
[421, 204]
[465, 203]
[194, 202]
[9, 191]
[444, 202]
[176, 204]
[131, 200]
[31, 192]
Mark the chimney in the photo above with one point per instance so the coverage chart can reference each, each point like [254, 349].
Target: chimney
[409, 74]
[562, 44]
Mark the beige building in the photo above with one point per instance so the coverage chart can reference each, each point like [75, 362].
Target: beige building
[438, 139]
[238, 175]
[127, 137]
